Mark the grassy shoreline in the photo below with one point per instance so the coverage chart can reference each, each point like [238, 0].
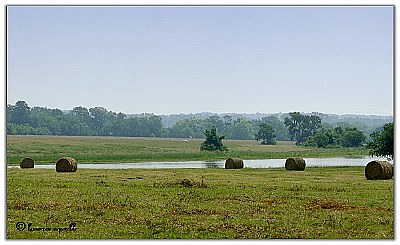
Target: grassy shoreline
[318, 203]
[48, 149]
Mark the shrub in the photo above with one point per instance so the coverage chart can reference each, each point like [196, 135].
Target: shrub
[213, 142]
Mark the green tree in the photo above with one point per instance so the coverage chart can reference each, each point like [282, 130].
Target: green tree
[78, 122]
[19, 114]
[381, 143]
[215, 121]
[352, 137]
[301, 127]
[241, 129]
[337, 137]
[82, 114]
[293, 123]
[213, 142]
[99, 117]
[72, 125]
[321, 139]
[227, 119]
[187, 128]
[266, 134]
[25, 129]
[149, 126]
[42, 117]
[280, 130]
[310, 126]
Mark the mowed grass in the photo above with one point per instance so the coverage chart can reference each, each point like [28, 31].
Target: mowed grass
[318, 203]
[48, 149]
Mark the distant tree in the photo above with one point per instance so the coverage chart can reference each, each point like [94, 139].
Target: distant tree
[381, 143]
[99, 117]
[301, 127]
[72, 125]
[151, 126]
[213, 142]
[352, 137]
[19, 114]
[78, 122]
[215, 121]
[25, 129]
[321, 139]
[280, 130]
[266, 134]
[187, 128]
[311, 124]
[82, 114]
[293, 124]
[241, 129]
[227, 120]
[42, 117]
[336, 137]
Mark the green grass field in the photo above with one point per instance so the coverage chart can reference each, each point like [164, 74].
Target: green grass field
[48, 149]
[318, 203]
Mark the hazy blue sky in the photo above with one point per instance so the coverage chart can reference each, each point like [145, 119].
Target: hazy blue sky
[194, 59]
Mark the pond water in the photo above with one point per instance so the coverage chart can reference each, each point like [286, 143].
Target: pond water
[261, 163]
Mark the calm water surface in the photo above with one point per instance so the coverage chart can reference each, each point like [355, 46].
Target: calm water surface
[262, 163]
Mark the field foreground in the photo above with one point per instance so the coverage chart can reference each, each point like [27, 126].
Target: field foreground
[318, 203]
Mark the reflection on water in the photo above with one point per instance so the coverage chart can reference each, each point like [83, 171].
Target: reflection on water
[214, 164]
[261, 163]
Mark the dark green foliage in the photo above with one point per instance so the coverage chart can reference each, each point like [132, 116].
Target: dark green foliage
[225, 123]
[20, 113]
[187, 128]
[237, 129]
[336, 137]
[213, 142]
[381, 143]
[321, 139]
[301, 127]
[280, 130]
[98, 121]
[25, 129]
[266, 134]
[241, 129]
[22, 120]
[352, 137]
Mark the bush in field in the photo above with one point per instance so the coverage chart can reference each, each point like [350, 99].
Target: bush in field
[213, 142]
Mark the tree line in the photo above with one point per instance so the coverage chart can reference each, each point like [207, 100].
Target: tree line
[98, 121]
[80, 121]
[307, 131]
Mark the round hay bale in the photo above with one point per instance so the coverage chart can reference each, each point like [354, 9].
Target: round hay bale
[295, 164]
[379, 170]
[66, 164]
[27, 162]
[234, 163]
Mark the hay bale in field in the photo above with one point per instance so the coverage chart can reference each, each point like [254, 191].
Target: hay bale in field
[379, 170]
[27, 162]
[295, 164]
[66, 164]
[234, 163]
